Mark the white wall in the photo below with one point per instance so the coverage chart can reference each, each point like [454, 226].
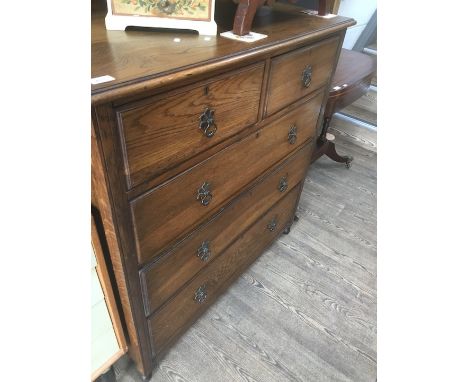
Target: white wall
[361, 11]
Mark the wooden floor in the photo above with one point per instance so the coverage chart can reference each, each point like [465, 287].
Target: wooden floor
[365, 108]
[306, 309]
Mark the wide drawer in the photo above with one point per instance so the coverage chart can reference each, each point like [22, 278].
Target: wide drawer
[163, 278]
[174, 317]
[170, 211]
[168, 130]
[296, 74]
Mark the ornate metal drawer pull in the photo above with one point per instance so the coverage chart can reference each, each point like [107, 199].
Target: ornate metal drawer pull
[283, 184]
[292, 135]
[200, 294]
[204, 252]
[307, 76]
[204, 194]
[207, 123]
[272, 225]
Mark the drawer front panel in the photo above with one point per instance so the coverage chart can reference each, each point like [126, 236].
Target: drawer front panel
[294, 75]
[192, 196]
[173, 129]
[163, 278]
[172, 319]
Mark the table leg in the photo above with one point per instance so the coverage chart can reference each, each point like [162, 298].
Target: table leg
[330, 151]
[244, 16]
[327, 146]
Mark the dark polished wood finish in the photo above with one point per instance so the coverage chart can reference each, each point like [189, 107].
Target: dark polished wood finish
[247, 8]
[169, 272]
[226, 172]
[244, 16]
[288, 81]
[145, 64]
[175, 316]
[165, 130]
[164, 187]
[352, 79]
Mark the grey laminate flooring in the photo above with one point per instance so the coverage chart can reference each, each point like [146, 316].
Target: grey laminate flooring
[365, 108]
[306, 309]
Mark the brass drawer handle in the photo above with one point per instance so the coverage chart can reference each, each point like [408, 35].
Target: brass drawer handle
[272, 224]
[204, 194]
[204, 251]
[307, 76]
[283, 184]
[200, 294]
[292, 134]
[207, 123]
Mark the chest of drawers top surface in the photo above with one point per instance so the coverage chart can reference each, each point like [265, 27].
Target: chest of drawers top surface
[153, 58]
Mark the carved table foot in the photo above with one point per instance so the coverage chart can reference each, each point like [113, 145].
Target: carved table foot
[327, 147]
[330, 152]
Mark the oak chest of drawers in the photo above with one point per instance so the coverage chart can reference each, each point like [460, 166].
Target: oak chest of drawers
[200, 148]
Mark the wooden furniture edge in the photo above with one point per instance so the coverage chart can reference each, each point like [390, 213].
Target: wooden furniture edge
[101, 197]
[318, 129]
[209, 68]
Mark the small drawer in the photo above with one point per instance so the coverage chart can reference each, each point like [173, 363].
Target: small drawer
[161, 279]
[174, 317]
[296, 74]
[193, 196]
[168, 130]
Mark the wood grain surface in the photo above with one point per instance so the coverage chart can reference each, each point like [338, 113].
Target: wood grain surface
[143, 62]
[306, 309]
[175, 316]
[100, 195]
[226, 172]
[286, 73]
[162, 206]
[163, 277]
[165, 131]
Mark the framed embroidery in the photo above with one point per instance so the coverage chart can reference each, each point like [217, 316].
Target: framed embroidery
[178, 14]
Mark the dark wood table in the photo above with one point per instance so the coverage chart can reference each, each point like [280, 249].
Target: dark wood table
[351, 81]
[247, 8]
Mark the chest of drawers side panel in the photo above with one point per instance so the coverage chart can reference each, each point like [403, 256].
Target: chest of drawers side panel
[108, 188]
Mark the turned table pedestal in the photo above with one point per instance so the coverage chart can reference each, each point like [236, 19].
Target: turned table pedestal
[351, 81]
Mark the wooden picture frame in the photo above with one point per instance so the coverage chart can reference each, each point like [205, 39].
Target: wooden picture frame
[175, 14]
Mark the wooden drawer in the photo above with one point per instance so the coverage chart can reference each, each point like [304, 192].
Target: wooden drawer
[289, 80]
[165, 131]
[173, 209]
[163, 278]
[172, 319]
